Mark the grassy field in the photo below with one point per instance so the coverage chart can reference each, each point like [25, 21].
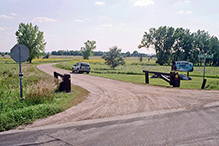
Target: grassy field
[41, 98]
[40, 92]
[133, 72]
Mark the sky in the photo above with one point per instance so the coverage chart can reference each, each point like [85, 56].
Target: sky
[68, 24]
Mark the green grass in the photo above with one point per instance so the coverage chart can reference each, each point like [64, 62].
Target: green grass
[195, 83]
[41, 98]
[133, 66]
[41, 101]
[133, 72]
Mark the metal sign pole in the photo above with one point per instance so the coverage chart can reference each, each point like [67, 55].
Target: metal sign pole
[204, 80]
[20, 53]
[20, 74]
[204, 68]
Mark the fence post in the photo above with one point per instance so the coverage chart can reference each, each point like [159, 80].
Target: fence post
[146, 78]
[203, 83]
[65, 85]
[172, 76]
[67, 82]
[176, 80]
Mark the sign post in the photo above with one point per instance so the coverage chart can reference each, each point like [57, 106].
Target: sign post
[20, 53]
[204, 56]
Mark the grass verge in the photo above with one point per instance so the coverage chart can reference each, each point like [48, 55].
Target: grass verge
[195, 83]
[41, 98]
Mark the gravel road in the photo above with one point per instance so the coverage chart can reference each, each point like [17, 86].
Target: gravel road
[108, 98]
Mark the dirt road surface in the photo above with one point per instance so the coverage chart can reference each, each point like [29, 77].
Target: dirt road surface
[108, 98]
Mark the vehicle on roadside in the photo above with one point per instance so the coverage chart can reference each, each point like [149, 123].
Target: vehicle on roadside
[81, 67]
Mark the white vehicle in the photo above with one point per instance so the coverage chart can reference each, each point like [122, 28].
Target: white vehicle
[81, 67]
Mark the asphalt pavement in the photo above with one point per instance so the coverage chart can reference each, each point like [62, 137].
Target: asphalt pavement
[172, 127]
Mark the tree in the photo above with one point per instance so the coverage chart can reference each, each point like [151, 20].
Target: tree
[183, 48]
[140, 57]
[114, 57]
[2, 54]
[180, 44]
[161, 40]
[87, 50]
[135, 54]
[46, 56]
[32, 38]
[127, 54]
[215, 50]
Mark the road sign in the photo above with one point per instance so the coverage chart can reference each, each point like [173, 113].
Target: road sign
[20, 53]
[205, 56]
[24, 53]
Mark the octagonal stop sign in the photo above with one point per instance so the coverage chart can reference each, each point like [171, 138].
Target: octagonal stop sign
[20, 50]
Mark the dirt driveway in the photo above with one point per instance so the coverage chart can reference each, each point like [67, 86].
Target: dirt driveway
[109, 98]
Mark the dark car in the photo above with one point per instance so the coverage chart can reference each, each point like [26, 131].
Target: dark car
[81, 67]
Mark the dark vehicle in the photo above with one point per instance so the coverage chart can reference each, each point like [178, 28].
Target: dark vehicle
[81, 67]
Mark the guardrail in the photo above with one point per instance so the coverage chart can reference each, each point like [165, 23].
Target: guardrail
[65, 85]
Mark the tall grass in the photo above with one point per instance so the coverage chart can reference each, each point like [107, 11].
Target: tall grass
[40, 96]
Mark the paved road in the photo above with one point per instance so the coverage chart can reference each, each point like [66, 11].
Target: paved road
[191, 127]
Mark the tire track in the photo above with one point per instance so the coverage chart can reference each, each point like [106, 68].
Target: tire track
[109, 98]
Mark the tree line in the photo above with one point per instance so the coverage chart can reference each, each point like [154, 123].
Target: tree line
[98, 53]
[172, 44]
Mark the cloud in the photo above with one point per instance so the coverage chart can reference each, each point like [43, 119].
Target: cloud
[2, 29]
[106, 25]
[99, 3]
[5, 16]
[142, 3]
[15, 1]
[184, 12]
[13, 14]
[103, 26]
[42, 20]
[179, 3]
[79, 20]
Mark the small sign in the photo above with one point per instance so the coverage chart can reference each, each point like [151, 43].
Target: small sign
[205, 56]
[184, 66]
[24, 53]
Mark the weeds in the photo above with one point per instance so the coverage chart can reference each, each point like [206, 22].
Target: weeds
[26, 115]
[41, 92]
[40, 96]
[212, 85]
